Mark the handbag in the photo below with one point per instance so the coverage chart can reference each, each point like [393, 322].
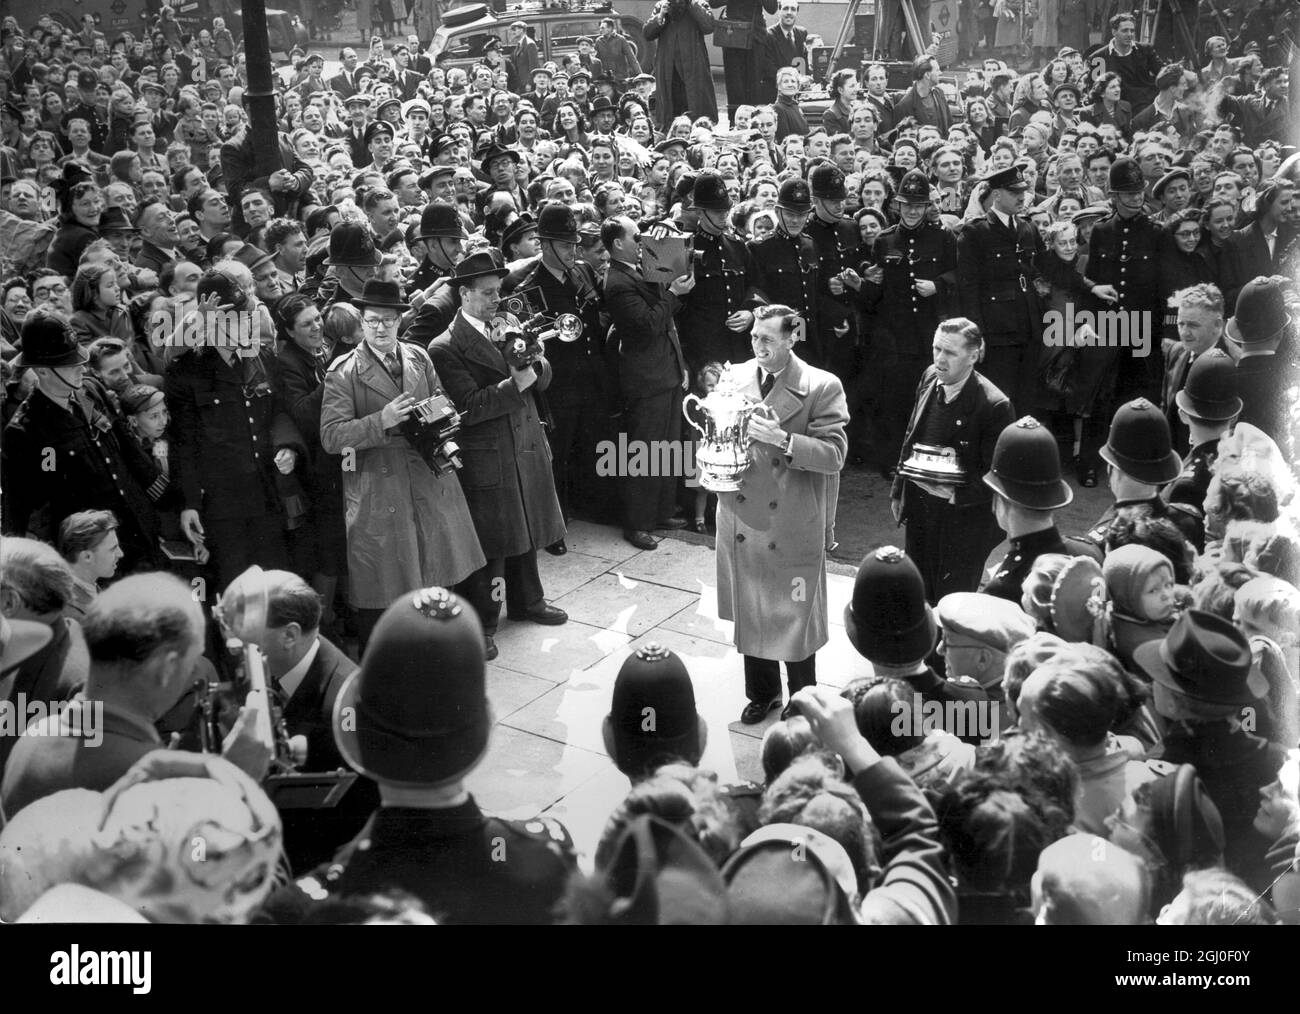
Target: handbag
[732, 33]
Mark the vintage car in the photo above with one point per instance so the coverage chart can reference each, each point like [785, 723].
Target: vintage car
[555, 28]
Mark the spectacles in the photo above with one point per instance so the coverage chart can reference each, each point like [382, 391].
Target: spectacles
[57, 289]
[377, 322]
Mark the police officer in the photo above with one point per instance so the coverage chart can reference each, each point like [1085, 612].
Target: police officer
[560, 283]
[68, 450]
[233, 437]
[443, 234]
[416, 719]
[839, 251]
[786, 262]
[1140, 459]
[713, 323]
[891, 625]
[998, 259]
[1122, 273]
[918, 263]
[1027, 487]
[1209, 406]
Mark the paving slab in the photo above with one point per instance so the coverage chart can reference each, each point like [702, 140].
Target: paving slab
[523, 774]
[616, 602]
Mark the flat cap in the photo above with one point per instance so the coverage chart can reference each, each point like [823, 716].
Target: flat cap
[995, 622]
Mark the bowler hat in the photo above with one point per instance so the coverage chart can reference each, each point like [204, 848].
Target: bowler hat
[827, 183]
[47, 340]
[479, 265]
[416, 712]
[1027, 467]
[441, 221]
[888, 619]
[653, 677]
[517, 229]
[1203, 657]
[710, 192]
[794, 195]
[1261, 312]
[382, 294]
[1140, 445]
[558, 222]
[1011, 178]
[602, 105]
[351, 245]
[1210, 391]
[914, 188]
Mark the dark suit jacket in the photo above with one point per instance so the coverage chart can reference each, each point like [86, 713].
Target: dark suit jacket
[1177, 363]
[1248, 257]
[1261, 386]
[153, 258]
[237, 162]
[925, 111]
[983, 412]
[649, 354]
[342, 85]
[1122, 117]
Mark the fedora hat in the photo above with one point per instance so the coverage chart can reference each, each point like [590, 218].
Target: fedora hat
[351, 245]
[480, 265]
[1203, 657]
[495, 151]
[47, 340]
[382, 294]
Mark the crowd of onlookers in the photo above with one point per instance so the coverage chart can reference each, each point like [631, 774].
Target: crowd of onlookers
[212, 356]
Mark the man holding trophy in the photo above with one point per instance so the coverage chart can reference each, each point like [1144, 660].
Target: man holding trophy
[782, 424]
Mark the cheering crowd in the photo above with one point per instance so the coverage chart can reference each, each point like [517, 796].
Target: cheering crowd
[325, 361]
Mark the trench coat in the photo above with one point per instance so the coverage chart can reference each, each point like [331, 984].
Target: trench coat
[774, 529]
[407, 528]
[682, 50]
[507, 475]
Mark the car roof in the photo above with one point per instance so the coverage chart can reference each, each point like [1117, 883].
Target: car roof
[492, 19]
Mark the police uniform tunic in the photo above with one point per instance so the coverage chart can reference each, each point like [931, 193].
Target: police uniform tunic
[724, 276]
[1123, 253]
[1008, 579]
[467, 867]
[839, 246]
[904, 321]
[788, 274]
[1189, 489]
[59, 461]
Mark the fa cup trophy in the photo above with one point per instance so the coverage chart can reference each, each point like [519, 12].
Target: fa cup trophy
[723, 453]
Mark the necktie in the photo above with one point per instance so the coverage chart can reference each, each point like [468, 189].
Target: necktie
[394, 366]
[765, 382]
[943, 395]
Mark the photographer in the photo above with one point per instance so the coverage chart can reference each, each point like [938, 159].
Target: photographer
[407, 528]
[682, 60]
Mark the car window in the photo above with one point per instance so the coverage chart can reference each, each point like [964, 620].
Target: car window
[565, 34]
[469, 45]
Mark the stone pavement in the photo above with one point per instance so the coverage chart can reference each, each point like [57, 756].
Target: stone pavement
[551, 686]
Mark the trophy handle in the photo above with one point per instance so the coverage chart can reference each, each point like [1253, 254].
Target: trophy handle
[686, 403]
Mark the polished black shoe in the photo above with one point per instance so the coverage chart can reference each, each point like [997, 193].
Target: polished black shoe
[789, 711]
[490, 649]
[642, 540]
[549, 616]
[756, 711]
[1088, 477]
[557, 548]
[671, 524]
